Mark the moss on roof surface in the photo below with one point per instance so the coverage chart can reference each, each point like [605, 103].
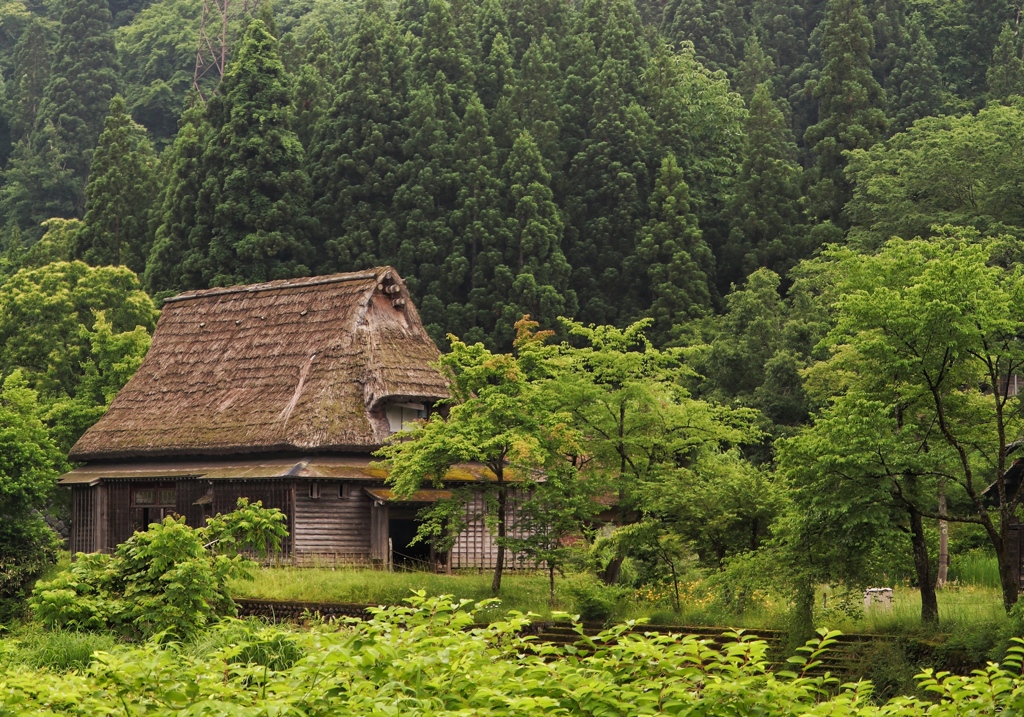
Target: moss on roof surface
[294, 365]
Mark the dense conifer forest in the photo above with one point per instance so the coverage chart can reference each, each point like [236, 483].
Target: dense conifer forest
[778, 244]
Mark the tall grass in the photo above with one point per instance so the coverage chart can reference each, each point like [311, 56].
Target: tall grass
[57, 650]
[975, 567]
[525, 592]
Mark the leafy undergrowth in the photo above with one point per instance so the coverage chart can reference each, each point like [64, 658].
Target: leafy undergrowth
[428, 658]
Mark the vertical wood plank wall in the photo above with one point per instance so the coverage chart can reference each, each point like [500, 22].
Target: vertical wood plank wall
[475, 547]
[330, 526]
[83, 519]
[274, 494]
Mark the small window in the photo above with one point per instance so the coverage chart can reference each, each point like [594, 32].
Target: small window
[314, 490]
[345, 490]
[155, 496]
[401, 416]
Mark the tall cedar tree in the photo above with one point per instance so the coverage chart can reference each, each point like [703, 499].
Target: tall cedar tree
[253, 222]
[176, 216]
[850, 102]
[38, 184]
[535, 275]
[915, 87]
[768, 220]
[356, 152]
[1006, 73]
[609, 178]
[444, 79]
[754, 69]
[84, 79]
[530, 20]
[715, 27]
[121, 190]
[31, 74]
[679, 264]
[314, 83]
[480, 226]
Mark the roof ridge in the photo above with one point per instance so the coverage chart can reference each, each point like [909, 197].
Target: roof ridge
[269, 286]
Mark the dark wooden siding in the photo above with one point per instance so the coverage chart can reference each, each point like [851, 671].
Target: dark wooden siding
[188, 491]
[120, 526]
[330, 525]
[83, 519]
[273, 493]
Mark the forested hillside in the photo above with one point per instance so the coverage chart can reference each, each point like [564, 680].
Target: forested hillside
[594, 158]
[728, 173]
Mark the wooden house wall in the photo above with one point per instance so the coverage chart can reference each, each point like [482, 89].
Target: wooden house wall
[273, 493]
[476, 547]
[83, 519]
[187, 492]
[330, 526]
[119, 509]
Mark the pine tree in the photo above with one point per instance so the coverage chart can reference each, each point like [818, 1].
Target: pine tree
[850, 102]
[480, 228]
[754, 69]
[496, 75]
[677, 266]
[534, 100]
[530, 20]
[29, 78]
[121, 189]
[768, 221]
[915, 86]
[356, 153]
[83, 81]
[176, 215]
[535, 274]
[608, 179]
[714, 27]
[38, 184]
[253, 218]
[314, 84]
[1006, 73]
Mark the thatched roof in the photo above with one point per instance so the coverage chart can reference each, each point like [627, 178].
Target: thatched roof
[295, 365]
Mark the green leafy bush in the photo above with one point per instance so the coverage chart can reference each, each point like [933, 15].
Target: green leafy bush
[593, 600]
[169, 578]
[432, 658]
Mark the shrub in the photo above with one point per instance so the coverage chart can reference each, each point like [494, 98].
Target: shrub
[593, 600]
[431, 658]
[169, 578]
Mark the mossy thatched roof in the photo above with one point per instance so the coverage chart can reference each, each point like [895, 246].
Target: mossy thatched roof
[294, 365]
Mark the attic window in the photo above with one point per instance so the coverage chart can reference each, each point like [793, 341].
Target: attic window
[401, 416]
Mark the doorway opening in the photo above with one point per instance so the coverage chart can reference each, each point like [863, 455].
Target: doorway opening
[402, 530]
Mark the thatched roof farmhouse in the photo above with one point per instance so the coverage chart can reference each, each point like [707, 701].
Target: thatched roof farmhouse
[278, 392]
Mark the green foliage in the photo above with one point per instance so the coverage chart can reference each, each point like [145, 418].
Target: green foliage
[77, 333]
[1006, 74]
[390, 663]
[81, 85]
[170, 578]
[29, 466]
[252, 220]
[498, 416]
[850, 103]
[121, 189]
[943, 170]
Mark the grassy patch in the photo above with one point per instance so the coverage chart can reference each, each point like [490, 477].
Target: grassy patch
[58, 650]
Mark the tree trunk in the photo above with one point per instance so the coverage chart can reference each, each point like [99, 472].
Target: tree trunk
[1007, 575]
[929, 602]
[610, 574]
[499, 562]
[943, 572]
[551, 583]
